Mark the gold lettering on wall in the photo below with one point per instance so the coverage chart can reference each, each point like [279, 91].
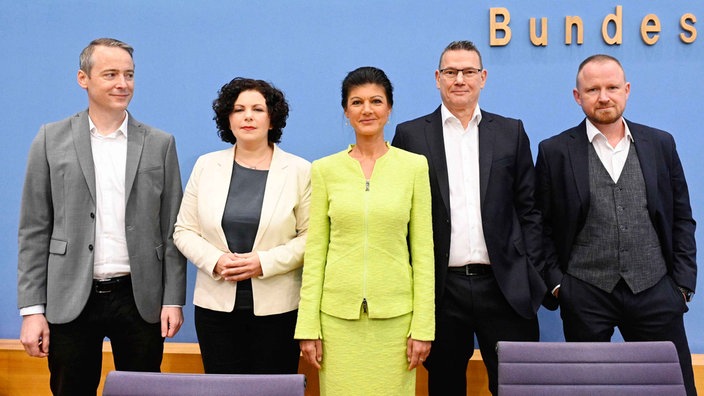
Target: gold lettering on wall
[500, 32]
[495, 26]
[617, 20]
[650, 29]
[574, 22]
[687, 24]
[541, 40]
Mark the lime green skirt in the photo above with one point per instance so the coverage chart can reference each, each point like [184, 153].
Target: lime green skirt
[366, 357]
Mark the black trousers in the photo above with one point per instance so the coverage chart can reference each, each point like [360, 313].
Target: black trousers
[76, 348]
[239, 342]
[472, 305]
[656, 314]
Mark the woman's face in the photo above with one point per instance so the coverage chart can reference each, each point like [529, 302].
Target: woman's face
[368, 109]
[249, 120]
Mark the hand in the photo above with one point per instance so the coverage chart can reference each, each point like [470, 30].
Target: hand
[417, 352]
[556, 292]
[34, 335]
[235, 267]
[313, 352]
[171, 321]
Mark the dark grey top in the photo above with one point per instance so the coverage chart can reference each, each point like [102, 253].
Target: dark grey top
[240, 220]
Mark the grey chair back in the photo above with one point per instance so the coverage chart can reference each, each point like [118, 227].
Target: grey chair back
[129, 383]
[589, 368]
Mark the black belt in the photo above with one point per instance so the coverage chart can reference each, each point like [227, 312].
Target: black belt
[472, 269]
[109, 285]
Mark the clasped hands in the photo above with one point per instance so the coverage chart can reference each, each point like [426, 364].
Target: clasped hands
[235, 267]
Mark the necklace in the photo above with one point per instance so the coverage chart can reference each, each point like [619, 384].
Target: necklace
[249, 165]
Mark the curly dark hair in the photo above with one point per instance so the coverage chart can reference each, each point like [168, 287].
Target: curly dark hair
[276, 106]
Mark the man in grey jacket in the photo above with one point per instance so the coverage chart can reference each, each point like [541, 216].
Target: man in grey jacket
[96, 254]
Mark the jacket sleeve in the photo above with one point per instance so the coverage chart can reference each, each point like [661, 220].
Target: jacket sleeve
[420, 239]
[308, 325]
[684, 246]
[188, 234]
[552, 274]
[35, 227]
[174, 262]
[528, 214]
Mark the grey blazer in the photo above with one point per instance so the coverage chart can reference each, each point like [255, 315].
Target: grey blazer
[57, 220]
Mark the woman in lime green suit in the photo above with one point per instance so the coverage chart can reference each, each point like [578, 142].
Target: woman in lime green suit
[366, 316]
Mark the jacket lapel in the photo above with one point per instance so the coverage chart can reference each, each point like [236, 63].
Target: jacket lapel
[80, 129]
[577, 148]
[645, 150]
[135, 144]
[275, 182]
[436, 147]
[486, 153]
[220, 176]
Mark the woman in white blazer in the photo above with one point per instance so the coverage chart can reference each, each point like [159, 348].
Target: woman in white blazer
[243, 224]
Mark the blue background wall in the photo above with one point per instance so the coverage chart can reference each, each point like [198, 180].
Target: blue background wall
[186, 50]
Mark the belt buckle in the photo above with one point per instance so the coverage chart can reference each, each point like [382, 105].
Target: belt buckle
[106, 286]
[98, 287]
[475, 269]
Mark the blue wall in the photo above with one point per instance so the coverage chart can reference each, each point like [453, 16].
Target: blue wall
[186, 50]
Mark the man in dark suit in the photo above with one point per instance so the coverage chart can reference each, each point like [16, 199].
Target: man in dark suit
[486, 230]
[96, 254]
[621, 250]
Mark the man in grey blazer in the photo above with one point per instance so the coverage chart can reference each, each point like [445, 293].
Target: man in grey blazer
[96, 254]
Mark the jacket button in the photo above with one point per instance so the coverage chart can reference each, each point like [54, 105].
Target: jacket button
[90, 247]
[92, 215]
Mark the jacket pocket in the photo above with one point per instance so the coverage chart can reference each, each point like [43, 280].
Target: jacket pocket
[57, 246]
[160, 252]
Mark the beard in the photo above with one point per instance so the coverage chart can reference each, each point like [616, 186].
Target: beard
[605, 116]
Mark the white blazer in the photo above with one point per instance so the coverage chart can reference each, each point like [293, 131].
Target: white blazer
[280, 239]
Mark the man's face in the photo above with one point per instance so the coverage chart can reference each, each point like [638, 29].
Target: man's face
[460, 93]
[110, 84]
[602, 92]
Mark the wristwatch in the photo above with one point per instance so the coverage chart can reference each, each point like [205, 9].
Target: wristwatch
[688, 294]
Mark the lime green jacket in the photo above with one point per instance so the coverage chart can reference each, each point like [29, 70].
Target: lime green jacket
[370, 243]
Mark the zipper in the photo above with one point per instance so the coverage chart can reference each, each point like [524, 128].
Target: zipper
[366, 245]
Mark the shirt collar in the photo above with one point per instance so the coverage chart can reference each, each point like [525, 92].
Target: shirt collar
[121, 129]
[593, 132]
[446, 114]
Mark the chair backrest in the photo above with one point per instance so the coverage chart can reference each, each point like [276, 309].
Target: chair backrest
[589, 368]
[129, 383]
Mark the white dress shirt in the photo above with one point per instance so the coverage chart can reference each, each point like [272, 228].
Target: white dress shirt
[110, 255]
[467, 244]
[613, 158]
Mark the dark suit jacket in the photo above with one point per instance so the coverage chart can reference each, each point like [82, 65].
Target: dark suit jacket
[563, 196]
[511, 223]
[57, 220]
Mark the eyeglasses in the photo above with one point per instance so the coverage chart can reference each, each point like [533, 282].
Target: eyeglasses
[450, 73]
